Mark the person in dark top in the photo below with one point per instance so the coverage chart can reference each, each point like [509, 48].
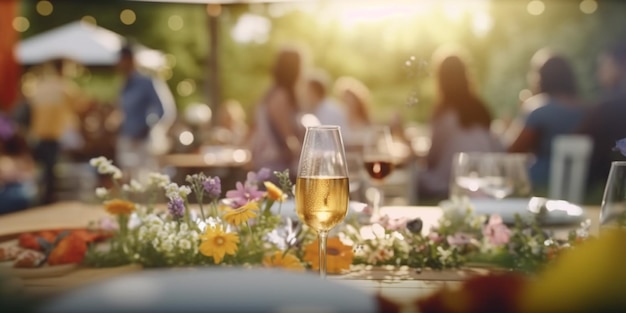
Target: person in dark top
[605, 122]
[555, 110]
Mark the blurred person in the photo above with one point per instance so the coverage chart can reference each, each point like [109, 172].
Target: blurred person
[277, 133]
[53, 104]
[327, 111]
[17, 169]
[460, 123]
[555, 110]
[604, 122]
[141, 108]
[355, 97]
[231, 126]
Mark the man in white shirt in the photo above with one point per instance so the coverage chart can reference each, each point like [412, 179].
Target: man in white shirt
[327, 111]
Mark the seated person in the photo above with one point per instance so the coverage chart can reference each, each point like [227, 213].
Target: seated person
[17, 169]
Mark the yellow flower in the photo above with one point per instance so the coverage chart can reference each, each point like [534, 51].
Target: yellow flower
[242, 214]
[287, 261]
[119, 206]
[338, 256]
[216, 243]
[274, 193]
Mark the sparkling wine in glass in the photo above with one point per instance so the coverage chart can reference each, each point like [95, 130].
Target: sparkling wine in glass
[322, 186]
[378, 160]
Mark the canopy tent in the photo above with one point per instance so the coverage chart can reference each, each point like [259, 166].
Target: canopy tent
[84, 43]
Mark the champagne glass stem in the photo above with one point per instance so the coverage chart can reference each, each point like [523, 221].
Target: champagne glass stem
[322, 236]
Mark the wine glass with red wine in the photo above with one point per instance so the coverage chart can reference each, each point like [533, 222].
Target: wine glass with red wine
[378, 161]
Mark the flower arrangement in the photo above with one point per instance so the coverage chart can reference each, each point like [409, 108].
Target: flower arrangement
[245, 228]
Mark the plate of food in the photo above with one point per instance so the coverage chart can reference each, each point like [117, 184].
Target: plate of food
[47, 253]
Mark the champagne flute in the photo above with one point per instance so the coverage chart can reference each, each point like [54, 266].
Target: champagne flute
[322, 186]
[378, 160]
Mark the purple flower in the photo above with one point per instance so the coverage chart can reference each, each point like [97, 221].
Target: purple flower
[495, 231]
[244, 194]
[213, 187]
[176, 206]
[258, 177]
[620, 146]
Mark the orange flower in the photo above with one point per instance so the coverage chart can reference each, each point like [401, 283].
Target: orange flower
[273, 192]
[287, 261]
[119, 206]
[338, 256]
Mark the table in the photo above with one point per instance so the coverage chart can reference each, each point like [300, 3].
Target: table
[400, 285]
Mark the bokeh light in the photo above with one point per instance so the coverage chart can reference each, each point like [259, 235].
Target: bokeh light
[21, 24]
[185, 138]
[128, 16]
[175, 22]
[186, 87]
[44, 8]
[89, 19]
[535, 7]
[214, 9]
[588, 6]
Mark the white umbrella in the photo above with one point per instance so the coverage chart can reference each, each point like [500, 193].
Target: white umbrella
[82, 42]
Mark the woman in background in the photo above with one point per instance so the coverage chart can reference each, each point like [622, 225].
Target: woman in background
[17, 169]
[277, 134]
[460, 123]
[355, 97]
[554, 110]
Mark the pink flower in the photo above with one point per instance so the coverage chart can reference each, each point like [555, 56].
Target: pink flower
[495, 231]
[459, 239]
[435, 237]
[244, 194]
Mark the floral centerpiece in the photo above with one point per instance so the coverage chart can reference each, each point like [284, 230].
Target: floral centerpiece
[201, 225]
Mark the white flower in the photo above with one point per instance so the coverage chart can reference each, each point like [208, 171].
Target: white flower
[534, 246]
[184, 244]
[184, 227]
[158, 179]
[102, 192]
[444, 254]
[105, 166]
[155, 243]
[172, 190]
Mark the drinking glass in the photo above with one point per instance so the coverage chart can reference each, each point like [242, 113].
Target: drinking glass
[322, 185]
[613, 208]
[378, 160]
[490, 175]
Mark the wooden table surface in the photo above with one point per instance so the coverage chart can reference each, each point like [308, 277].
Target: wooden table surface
[400, 285]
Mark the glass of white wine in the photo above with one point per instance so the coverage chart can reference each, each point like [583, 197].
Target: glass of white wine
[322, 186]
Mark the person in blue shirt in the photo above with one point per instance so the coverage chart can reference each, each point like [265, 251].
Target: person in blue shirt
[554, 110]
[141, 109]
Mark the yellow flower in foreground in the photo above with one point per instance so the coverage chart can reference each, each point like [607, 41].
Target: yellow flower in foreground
[119, 206]
[288, 261]
[216, 243]
[338, 256]
[241, 214]
[273, 192]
